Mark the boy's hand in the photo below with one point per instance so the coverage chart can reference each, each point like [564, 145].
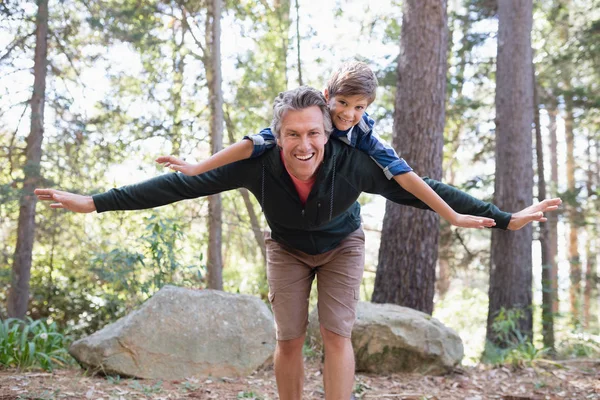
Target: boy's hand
[177, 164]
[69, 201]
[471, 221]
[532, 213]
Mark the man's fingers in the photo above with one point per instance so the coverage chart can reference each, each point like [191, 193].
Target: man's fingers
[57, 205]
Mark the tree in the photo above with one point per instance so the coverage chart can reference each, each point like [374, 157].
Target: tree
[548, 293]
[215, 94]
[511, 258]
[18, 297]
[408, 251]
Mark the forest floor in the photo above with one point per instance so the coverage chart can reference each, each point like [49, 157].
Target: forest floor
[578, 379]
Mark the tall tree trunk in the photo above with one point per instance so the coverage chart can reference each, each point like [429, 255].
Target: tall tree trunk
[453, 140]
[547, 292]
[213, 75]
[573, 249]
[298, 40]
[511, 258]
[552, 217]
[590, 270]
[176, 91]
[18, 297]
[408, 252]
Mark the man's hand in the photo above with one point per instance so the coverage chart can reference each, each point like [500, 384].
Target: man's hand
[70, 201]
[532, 213]
[177, 164]
[471, 221]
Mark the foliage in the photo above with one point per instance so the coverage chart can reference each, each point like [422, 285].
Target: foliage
[32, 344]
[579, 344]
[518, 351]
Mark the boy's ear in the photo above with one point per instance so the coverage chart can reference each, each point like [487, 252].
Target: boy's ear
[326, 94]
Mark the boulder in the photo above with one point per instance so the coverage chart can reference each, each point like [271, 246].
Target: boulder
[389, 338]
[181, 333]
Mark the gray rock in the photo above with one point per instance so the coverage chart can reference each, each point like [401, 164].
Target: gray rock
[181, 333]
[389, 338]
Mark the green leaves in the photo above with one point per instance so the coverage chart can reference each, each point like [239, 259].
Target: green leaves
[32, 344]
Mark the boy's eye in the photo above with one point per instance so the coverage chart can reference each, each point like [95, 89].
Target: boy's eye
[360, 108]
[343, 102]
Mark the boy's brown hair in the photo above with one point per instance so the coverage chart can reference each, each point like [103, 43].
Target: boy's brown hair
[351, 79]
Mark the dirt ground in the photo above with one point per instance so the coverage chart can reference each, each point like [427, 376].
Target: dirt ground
[579, 380]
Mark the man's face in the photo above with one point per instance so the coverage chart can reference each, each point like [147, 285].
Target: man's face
[346, 111]
[302, 140]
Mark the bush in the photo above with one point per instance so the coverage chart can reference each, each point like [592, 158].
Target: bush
[32, 344]
[519, 350]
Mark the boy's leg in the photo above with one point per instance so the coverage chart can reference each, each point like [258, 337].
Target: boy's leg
[290, 279]
[338, 283]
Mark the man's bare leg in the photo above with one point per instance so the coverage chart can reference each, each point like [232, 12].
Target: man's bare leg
[289, 368]
[338, 374]
[534, 212]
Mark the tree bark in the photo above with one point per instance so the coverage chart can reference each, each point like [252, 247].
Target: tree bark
[552, 217]
[547, 291]
[511, 258]
[590, 270]
[409, 245]
[18, 297]
[213, 75]
[298, 40]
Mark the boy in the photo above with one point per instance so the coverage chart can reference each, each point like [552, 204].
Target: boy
[350, 90]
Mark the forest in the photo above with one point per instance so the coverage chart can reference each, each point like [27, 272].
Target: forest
[497, 98]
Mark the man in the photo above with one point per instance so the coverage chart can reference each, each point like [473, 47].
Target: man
[307, 189]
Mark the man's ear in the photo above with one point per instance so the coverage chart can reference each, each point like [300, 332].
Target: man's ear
[326, 94]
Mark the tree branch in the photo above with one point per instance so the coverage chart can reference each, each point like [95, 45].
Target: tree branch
[13, 45]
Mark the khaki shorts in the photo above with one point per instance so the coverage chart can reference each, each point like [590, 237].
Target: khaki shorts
[339, 273]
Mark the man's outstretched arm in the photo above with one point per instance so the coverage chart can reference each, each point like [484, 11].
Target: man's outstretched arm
[68, 201]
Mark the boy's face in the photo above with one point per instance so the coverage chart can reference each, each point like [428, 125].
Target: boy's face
[346, 111]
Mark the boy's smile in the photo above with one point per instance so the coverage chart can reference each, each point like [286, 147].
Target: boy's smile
[346, 111]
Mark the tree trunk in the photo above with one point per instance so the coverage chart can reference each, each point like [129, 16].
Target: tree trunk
[213, 75]
[511, 258]
[18, 297]
[552, 217]
[176, 91]
[298, 40]
[547, 293]
[590, 270]
[409, 245]
[574, 258]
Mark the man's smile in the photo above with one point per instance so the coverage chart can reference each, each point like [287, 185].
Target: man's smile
[304, 157]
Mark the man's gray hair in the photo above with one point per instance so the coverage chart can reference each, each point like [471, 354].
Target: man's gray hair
[300, 99]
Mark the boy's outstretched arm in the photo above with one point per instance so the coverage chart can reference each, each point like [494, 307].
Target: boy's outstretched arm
[236, 152]
[415, 185]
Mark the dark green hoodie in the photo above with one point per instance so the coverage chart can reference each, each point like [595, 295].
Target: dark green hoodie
[331, 211]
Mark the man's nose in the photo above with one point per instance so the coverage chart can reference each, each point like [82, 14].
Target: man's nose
[304, 142]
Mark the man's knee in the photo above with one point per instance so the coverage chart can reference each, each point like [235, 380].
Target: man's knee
[288, 348]
[332, 340]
